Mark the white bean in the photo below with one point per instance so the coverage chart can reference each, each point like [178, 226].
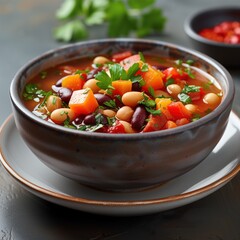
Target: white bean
[92, 83]
[174, 89]
[125, 113]
[131, 99]
[53, 102]
[191, 108]
[211, 99]
[100, 60]
[127, 127]
[62, 114]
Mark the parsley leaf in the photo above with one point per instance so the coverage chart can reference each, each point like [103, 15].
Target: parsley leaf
[32, 92]
[191, 88]
[184, 98]
[123, 18]
[104, 81]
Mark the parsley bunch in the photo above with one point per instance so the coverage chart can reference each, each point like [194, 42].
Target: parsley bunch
[123, 18]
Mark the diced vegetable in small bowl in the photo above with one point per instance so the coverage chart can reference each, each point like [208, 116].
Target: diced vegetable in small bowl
[122, 114]
[216, 32]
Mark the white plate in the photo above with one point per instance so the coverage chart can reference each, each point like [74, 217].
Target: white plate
[211, 174]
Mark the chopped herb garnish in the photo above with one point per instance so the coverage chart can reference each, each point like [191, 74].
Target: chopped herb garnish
[190, 62]
[142, 58]
[144, 67]
[150, 105]
[32, 92]
[207, 85]
[151, 91]
[179, 62]
[110, 103]
[43, 74]
[170, 81]
[184, 98]
[189, 72]
[191, 88]
[196, 117]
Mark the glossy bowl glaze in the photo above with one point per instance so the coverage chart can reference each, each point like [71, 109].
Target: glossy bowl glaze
[226, 54]
[121, 161]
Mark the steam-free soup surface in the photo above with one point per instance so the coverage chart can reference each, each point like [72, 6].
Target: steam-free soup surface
[122, 93]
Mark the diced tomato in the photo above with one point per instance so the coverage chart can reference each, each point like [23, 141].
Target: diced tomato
[155, 123]
[227, 32]
[178, 111]
[196, 95]
[129, 61]
[117, 128]
[174, 73]
[120, 56]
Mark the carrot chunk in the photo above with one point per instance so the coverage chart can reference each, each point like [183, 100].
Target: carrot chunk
[121, 87]
[153, 79]
[74, 82]
[83, 101]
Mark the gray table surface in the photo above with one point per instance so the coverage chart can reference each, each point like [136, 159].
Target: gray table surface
[25, 32]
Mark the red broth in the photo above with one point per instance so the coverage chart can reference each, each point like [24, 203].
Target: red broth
[122, 93]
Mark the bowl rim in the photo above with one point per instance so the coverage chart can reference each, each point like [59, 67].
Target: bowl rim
[194, 35]
[18, 104]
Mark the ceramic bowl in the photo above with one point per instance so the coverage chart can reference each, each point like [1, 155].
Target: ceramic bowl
[120, 162]
[226, 53]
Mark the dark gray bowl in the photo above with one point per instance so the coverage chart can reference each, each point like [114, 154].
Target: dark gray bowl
[226, 54]
[121, 161]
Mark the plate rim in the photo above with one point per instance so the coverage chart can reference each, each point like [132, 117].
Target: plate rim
[124, 203]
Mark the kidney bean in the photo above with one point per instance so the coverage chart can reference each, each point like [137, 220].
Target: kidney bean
[78, 120]
[136, 87]
[102, 98]
[55, 88]
[90, 119]
[139, 117]
[59, 83]
[103, 120]
[65, 94]
[93, 72]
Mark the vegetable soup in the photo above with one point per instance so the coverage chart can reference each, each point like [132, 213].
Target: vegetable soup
[125, 92]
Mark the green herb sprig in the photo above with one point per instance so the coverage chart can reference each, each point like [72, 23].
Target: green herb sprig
[123, 18]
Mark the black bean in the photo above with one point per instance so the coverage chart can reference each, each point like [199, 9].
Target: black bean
[102, 98]
[65, 94]
[139, 116]
[90, 119]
